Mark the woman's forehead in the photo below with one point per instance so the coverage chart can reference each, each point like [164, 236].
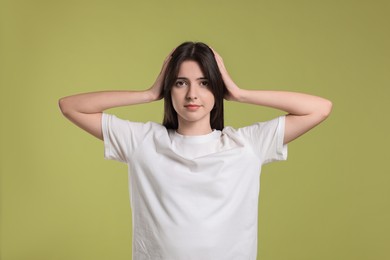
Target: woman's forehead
[190, 69]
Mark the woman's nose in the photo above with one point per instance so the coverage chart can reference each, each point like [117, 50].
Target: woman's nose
[191, 93]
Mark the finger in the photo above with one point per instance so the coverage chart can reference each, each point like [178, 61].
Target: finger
[168, 57]
[166, 61]
[216, 53]
[170, 54]
[219, 59]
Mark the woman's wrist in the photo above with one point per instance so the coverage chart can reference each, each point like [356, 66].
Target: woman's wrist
[152, 95]
[236, 95]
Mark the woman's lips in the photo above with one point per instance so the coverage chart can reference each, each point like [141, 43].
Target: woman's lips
[192, 106]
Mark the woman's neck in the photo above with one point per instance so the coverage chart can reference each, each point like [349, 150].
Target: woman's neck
[193, 128]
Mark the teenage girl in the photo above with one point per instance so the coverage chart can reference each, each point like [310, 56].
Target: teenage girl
[194, 183]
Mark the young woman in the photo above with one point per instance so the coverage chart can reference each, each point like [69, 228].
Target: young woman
[195, 183]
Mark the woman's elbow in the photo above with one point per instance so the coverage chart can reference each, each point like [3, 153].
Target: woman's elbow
[326, 109]
[64, 106]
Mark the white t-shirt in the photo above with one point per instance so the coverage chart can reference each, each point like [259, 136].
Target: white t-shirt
[194, 197]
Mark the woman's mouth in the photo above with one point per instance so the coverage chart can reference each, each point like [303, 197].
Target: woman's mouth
[192, 106]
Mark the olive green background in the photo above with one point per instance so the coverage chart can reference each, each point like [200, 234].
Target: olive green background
[60, 200]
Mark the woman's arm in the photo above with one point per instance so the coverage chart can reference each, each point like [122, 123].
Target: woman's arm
[85, 110]
[304, 111]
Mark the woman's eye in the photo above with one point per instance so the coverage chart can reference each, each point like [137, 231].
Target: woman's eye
[180, 83]
[204, 83]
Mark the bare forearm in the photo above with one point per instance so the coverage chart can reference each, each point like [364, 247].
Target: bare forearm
[291, 102]
[304, 111]
[97, 102]
[85, 110]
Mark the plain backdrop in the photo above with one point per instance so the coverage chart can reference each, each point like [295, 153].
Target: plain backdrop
[60, 200]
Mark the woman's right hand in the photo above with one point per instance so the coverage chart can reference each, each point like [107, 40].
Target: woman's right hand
[156, 90]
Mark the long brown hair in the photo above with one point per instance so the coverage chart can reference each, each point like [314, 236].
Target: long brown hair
[204, 56]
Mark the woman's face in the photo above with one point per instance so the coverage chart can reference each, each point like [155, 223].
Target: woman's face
[191, 96]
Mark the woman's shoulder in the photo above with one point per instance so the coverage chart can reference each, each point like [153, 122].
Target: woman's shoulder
[259, 126]
[119, 122]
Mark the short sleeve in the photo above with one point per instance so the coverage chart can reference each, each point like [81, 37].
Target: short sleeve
[266, 139]
[121, 137]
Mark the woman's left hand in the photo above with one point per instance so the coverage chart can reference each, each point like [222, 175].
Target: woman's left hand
[233, 91]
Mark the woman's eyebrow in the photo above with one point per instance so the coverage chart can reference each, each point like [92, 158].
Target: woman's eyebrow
[201, 78]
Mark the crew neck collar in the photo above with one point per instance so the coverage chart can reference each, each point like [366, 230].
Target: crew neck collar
[215, 134]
